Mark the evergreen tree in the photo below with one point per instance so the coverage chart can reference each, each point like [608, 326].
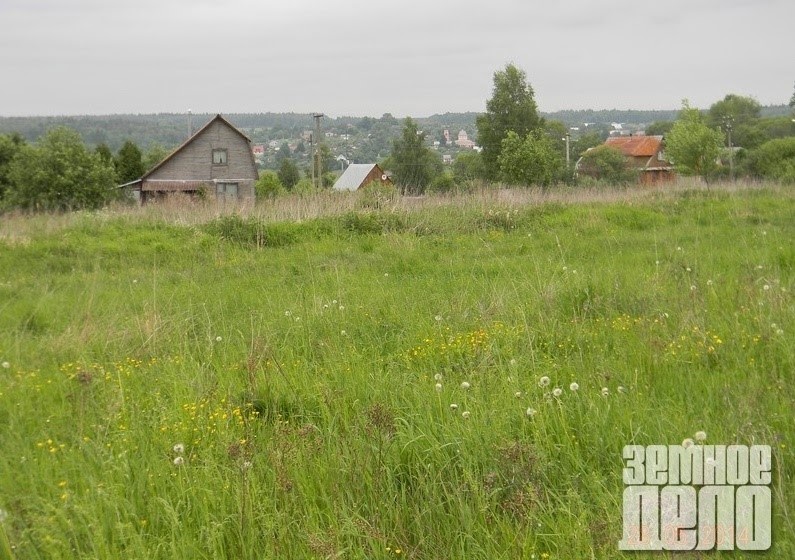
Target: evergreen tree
[129, 163]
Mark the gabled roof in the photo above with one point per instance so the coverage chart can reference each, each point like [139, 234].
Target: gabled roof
[636, 146]
[189, 140]
[352, 178]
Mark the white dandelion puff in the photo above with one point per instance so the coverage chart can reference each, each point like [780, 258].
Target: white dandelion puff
[6, 365]
[543, 382]
[766, 287]
[518, 394]
[574, 387]
[622, 389]
[438, 377]
[179, 448]
[438, 317]
[700, 435]
[465, 385]
[218, 339]
[343, 332]
[246, 465]
[342, 308]
[179, 461]
[688, 443]
[557, 391]
[438, 387]
[605, 391]
[465, 415]
[453, 407]
[530, 412]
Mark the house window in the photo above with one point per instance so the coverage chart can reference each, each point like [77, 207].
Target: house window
[219, 157]
[224, 191]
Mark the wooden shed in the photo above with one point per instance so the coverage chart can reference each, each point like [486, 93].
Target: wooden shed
[359, 174]
[215, 162]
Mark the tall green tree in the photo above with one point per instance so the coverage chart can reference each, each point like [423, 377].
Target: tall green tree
[512, 107]
[59, 173]
[288, 173]
[129, 163]
[692, 146]
[741, 116]
[10, 145]
[532, 160]
[414, 164]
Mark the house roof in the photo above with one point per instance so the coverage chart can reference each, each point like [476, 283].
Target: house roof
[636, 146]
[353, 177]
[192, 137]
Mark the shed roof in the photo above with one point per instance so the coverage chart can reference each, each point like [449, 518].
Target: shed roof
[636, 146]
[353, 177]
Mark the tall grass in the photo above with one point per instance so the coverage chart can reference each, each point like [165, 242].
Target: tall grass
[204, 382]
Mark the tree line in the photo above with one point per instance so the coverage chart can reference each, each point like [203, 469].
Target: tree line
[519, 146]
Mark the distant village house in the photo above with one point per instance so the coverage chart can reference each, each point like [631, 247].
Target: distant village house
[217, 161]
[358, 175]
[644, 154]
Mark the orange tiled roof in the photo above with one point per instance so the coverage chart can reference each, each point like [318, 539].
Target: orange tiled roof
[636, 146]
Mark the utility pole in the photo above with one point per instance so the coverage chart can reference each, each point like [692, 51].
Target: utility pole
[728, 124]
[190, 124]
[568, 152]
[317, 162]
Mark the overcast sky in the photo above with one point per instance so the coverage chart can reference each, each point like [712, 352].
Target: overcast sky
[369, 57]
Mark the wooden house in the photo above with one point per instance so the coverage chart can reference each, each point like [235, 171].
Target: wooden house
[215, 162]
[646, 155]
[359, 174]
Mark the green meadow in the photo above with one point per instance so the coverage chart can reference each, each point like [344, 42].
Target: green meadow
[453, 380]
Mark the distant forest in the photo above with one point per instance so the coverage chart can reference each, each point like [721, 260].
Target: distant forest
[169, 129]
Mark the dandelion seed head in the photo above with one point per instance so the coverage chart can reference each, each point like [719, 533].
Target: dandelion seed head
[622, 389]
[438, 387]
[700, 435]
[438, 377]
[574, 386]
[453, 407]
[605, 391]
[465, 415]
[288, 313]
[688, 443]
[692, 288]
[518, 394]
[6, 365]
[530, 412]
[465, 385]
[343, 332]
[179, 448]
[438, 317]
[513, 361]
[246, 465]
[543, 382]
[342, 308]
[557, 391]
[218, 339]
[179, 461]
[766, 287]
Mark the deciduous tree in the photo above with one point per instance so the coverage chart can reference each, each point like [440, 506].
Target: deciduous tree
[529, 160]
[608, 164]
[692, 146]
[512, 107]
[59, 173]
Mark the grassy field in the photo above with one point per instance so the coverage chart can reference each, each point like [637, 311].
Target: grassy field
[447, 378]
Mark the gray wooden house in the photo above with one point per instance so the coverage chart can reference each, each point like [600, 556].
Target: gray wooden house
[215, 162]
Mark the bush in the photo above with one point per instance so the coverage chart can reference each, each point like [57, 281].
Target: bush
[444, 183]
[268, 185]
